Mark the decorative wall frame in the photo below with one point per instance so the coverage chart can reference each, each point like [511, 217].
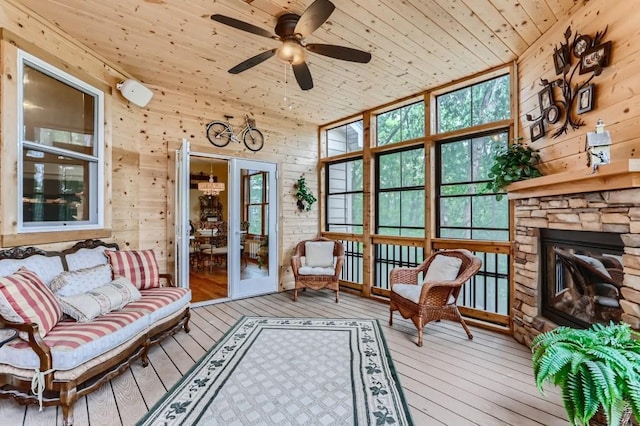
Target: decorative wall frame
[537, 130]
[585, 99]
[582, 55]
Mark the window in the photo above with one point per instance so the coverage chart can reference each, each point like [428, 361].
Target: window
[256, 207]
[346, 138]
[61, 145]
[464, 210]
[400, 196]
[344, 196]
[480, 103]
[400, 124]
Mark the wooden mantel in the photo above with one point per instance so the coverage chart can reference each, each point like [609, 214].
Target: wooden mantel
[617, 175]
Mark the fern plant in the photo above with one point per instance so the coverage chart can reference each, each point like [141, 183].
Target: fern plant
[596, 368]
[516, 162]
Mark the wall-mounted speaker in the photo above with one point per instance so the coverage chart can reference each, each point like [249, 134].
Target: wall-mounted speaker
[135, 92]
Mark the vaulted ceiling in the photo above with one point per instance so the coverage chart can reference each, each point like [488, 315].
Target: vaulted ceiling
[174, 46]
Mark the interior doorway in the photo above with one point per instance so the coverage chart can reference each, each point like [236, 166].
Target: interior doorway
[226, 226]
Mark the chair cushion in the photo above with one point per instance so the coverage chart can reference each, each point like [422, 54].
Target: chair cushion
[412, 292]
[85, 307]
[443, 268]
[74, 343]
[72, 283]
[319, 253]
[25, 299]
[317, 270]
[595, 263]
[141, 267]
[161, 302]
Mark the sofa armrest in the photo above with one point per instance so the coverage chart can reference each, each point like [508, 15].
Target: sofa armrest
[37, 344]
[168, 280]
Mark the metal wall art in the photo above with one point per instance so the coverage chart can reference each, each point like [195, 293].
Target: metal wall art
[585, 54]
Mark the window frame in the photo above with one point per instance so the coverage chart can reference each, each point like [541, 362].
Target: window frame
[438, 186]
[96, 178]
[398, 190]
[328, 194]
[264, 204]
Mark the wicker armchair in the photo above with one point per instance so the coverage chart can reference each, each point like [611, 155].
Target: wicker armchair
[431, 300]
[315, 277]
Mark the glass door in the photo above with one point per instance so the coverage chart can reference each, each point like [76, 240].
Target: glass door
[182, 216]
[253, 259]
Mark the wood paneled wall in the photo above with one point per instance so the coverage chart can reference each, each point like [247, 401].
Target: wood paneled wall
[617, 89]
[141, 143]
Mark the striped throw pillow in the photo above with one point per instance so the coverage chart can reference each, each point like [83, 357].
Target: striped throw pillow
[141, 267]
[25, 299]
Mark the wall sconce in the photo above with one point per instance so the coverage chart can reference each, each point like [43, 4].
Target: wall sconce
[135, 92]
[598, 146]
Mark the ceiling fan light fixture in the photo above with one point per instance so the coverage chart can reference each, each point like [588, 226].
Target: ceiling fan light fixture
[291, 52]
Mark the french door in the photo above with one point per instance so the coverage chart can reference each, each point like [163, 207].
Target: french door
[252, 240]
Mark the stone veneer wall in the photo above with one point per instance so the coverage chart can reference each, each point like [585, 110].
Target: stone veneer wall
[607, 211]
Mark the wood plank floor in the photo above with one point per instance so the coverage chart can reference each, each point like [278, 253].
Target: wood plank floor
[449, 381]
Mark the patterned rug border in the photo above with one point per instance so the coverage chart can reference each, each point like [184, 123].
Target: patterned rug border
[239, 323]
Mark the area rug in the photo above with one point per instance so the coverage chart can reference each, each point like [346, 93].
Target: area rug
[289, 371]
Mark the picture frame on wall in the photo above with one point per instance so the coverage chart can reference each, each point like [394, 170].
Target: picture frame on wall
[581, 45]
[537, 130]
[552, 114]
[595, 57]
[561, 58]
[585, 98]
[545, 98]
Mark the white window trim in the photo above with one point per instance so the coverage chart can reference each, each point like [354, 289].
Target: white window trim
[98, 182]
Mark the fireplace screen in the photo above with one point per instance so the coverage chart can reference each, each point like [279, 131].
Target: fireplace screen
[582, 276]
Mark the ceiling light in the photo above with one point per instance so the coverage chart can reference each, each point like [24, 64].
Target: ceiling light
[291, 52]
[212, 187]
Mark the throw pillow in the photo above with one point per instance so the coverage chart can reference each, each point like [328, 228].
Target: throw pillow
[141, 267]
[101, 300]
[443, 268]
[71, 283]
[25, 299]
[319, 253]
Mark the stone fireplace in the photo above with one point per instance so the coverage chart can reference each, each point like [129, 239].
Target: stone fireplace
[612, 212]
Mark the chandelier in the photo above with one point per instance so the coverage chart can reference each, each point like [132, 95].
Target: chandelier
[211, 187]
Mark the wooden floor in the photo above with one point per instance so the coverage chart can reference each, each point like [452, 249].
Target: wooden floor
[449, 381]
[210, 284]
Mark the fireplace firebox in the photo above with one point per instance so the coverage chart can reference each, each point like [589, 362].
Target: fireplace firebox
[581, 277]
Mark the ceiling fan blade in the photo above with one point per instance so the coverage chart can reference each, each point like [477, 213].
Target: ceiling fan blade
[241, 25]
[252, 62]
[303, 76]
[340, 52]
[314, 16]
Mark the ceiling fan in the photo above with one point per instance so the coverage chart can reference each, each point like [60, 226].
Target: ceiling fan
[291, 30]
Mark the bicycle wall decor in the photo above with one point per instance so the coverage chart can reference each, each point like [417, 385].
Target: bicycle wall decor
[220, 133]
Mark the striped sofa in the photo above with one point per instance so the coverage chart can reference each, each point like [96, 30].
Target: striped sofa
[75, 358]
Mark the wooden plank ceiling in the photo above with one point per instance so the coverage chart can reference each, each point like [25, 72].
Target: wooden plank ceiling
[174, 46]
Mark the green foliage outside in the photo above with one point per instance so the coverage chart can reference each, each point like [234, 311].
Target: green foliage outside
[465, 211]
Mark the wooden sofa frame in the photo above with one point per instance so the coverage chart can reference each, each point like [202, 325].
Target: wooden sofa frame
[66, 392]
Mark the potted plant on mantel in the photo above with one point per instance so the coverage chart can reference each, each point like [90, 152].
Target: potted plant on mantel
[517, 162]
[597, 371]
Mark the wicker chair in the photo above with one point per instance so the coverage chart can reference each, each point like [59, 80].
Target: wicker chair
[432, 300]
[312, 277]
